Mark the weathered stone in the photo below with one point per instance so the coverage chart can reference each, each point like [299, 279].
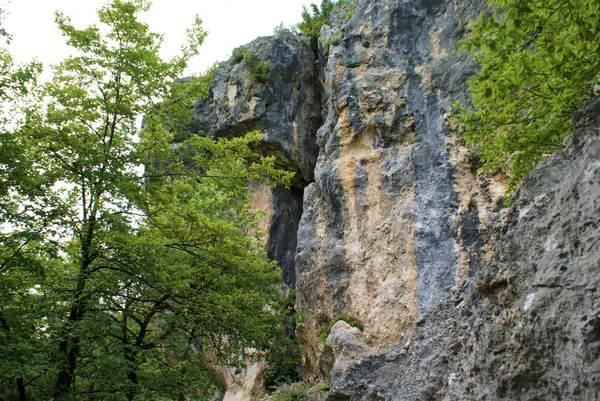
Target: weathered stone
[378, 237]
[286, 107]
[527, 327]
[389, 220]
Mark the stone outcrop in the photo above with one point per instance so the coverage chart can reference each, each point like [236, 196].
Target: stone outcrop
[385, 230]
[389, 221]
[286, 109]
[527, 326]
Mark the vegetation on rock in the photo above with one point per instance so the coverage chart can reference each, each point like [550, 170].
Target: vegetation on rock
[258, 71]
[118, 282]
[346, 317]
[540, 61]
[286, 353]
[313, 20]
[290, 392]
[333, 39]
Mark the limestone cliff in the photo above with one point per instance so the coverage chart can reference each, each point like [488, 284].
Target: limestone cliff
[527, 326]
[389, 221]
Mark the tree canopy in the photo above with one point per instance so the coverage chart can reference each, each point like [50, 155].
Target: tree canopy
[540, 61]
[119, 281]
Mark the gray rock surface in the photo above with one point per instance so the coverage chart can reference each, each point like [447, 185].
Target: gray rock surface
[286, 108]
[527, 327]
[389, 221]
[378, 237]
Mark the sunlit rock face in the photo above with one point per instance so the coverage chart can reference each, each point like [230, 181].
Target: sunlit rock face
[386, 228]
[388, 219]
[527, 325]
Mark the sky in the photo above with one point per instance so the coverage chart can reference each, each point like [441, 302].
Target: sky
[230, 23]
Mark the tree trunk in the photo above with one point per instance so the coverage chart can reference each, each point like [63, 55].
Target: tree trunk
[69, 345]
[21, 388]
[69, 348]
[20, 381]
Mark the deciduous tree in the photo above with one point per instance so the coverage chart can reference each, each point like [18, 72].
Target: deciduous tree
[147, 277]
[540, 61]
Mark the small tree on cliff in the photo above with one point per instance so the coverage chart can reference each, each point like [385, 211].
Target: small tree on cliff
[127, 285]
[314, 19]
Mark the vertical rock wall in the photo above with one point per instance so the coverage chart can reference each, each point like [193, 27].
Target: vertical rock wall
[527, 325]
[387, 217]
[381, 235]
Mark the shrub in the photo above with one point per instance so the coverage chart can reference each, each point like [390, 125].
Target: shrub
[258, 71]
[238, 55]
[326, 328]
[291, 392]
[313, 21]
[285, 354]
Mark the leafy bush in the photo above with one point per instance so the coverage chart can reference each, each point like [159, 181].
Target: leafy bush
[258, 71]
[540, 60]
[326, 328]
[238, 55]
[285, 354]
[313, 21]
[291, 392]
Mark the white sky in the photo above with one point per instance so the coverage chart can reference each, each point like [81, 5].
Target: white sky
[230, 23]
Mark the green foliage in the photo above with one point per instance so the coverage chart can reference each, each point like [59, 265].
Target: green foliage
[352, 64]
[291, 392]
[326, 328]
[238, 55]
[283, 366]
[334, 39]
[277, 30]
[313, 20]
[3, 32]
[539, 62]
[117, 283]
[286, 352]
[472, 204]
[183, 94]
[24, 223]
[258, 71]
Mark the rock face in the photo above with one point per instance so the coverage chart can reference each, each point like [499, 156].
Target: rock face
[389, 221]
[381, 236]
[527, 327]
[286, 108]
